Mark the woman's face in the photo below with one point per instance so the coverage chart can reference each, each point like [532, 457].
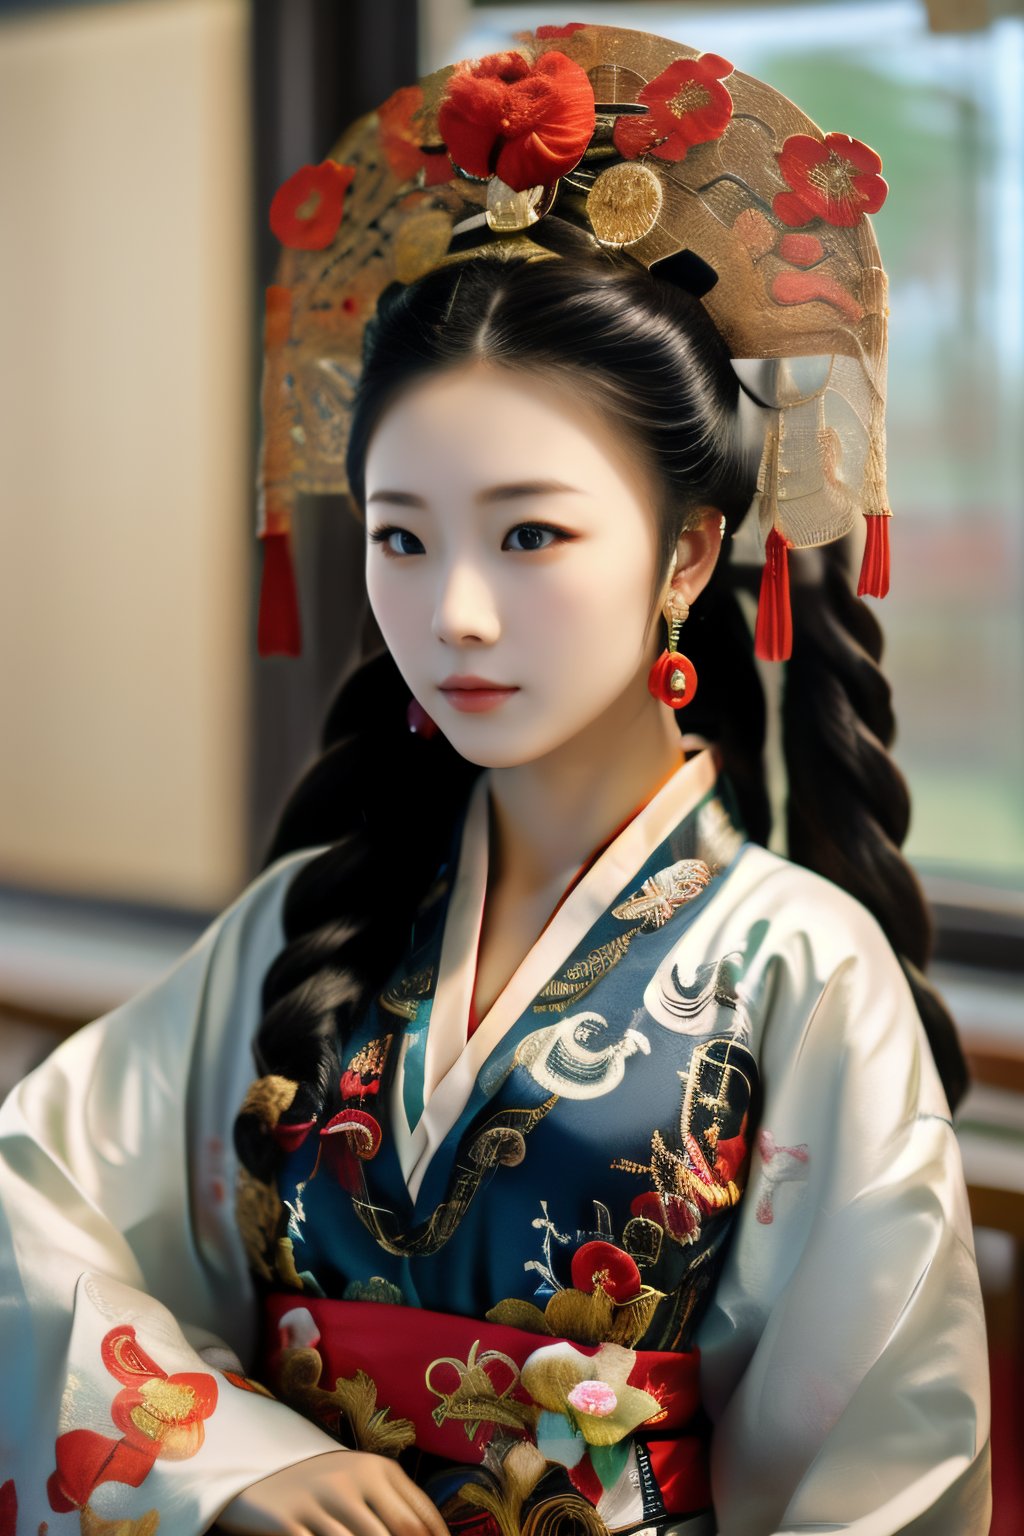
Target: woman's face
[511, 538]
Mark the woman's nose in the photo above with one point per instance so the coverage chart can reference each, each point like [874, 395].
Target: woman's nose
[464, 608]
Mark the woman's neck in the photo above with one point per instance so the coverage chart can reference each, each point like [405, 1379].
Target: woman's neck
[548, 816]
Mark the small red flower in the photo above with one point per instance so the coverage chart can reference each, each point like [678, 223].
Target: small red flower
[602, 1264]
[835, 179]
[527, 123]
[567, 31]
[676, 1216]
[307, 209]
[400, 139]
[686, 104]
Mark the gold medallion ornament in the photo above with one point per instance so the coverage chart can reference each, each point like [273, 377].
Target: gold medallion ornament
[705, 175]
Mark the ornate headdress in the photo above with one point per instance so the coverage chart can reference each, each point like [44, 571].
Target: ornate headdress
[708, 177]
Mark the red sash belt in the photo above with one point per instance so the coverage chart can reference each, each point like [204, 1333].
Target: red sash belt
[443, 1372]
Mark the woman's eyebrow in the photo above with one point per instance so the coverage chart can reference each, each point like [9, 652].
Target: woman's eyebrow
[493, 493]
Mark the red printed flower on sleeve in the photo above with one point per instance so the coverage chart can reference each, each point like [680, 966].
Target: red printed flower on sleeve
[306, 211]
[686, 104]
[158, 1416]
[835, 179]
[526, 123]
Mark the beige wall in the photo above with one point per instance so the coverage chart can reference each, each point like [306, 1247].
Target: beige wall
[125, 468]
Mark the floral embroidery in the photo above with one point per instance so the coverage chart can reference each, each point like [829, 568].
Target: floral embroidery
[306, 211]
[527, 123]
[158, 1416]
[664, 893]
[781, 1166]
[686, 105]
[701, 1176]
[361, 1078]
[557, 1374]
[603, 1265]
[351, 1404]
[607, 1301]
[835, 179]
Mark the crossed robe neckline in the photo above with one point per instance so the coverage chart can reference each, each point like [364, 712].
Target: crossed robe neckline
[452, 1061]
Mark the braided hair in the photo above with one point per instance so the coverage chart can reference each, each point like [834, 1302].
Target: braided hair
[648, 353]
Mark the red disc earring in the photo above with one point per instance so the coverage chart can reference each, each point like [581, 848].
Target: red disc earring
[673, 677]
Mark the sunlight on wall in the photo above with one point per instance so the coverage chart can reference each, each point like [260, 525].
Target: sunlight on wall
[124, 434]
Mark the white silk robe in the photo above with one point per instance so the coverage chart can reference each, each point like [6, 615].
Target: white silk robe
[843, 1357]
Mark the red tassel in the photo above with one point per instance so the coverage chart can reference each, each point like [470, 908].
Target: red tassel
[277, 630]
[874, 570]
[773, 635]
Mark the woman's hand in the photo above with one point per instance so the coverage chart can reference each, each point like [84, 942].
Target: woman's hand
[337, 1493]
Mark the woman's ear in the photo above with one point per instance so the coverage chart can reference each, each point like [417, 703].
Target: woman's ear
[696, 555]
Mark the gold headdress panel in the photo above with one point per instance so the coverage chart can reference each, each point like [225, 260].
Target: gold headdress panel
[705, 175]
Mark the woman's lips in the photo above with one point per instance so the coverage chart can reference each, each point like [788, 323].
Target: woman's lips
[476, 700]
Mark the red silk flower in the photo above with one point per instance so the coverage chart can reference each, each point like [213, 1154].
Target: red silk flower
[307, 209]
[686, 104]
[526, 123]
[835, 179]
[602, 1264]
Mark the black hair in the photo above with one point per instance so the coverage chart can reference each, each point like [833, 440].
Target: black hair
[646, 352]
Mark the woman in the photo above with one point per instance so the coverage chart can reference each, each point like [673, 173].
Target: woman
[590, 1140]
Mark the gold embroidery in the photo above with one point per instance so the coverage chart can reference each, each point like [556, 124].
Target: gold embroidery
[476, 1400]
[666, 891]
[577, 979]
[692, 1175]
[502, 1140]
[258, 1212]
[353, 1399]
[370, 1061]
[403, 997]
[92, 1524]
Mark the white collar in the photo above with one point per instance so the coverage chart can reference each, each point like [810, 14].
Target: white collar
[452, 1063]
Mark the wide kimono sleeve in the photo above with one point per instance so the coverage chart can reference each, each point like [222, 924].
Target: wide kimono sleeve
[844, 1357]
[126, 1309]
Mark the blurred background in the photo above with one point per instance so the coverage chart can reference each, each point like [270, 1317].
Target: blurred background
[145, 750]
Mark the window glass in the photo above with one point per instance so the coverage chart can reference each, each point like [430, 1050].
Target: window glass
[946, 114]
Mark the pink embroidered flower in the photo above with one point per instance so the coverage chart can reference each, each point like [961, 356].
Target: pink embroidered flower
[554, 1373]
[835, 179]
[686, 104]
[594, 1397]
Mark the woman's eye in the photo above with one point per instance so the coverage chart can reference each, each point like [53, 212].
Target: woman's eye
[534, 533]
[391, 539]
